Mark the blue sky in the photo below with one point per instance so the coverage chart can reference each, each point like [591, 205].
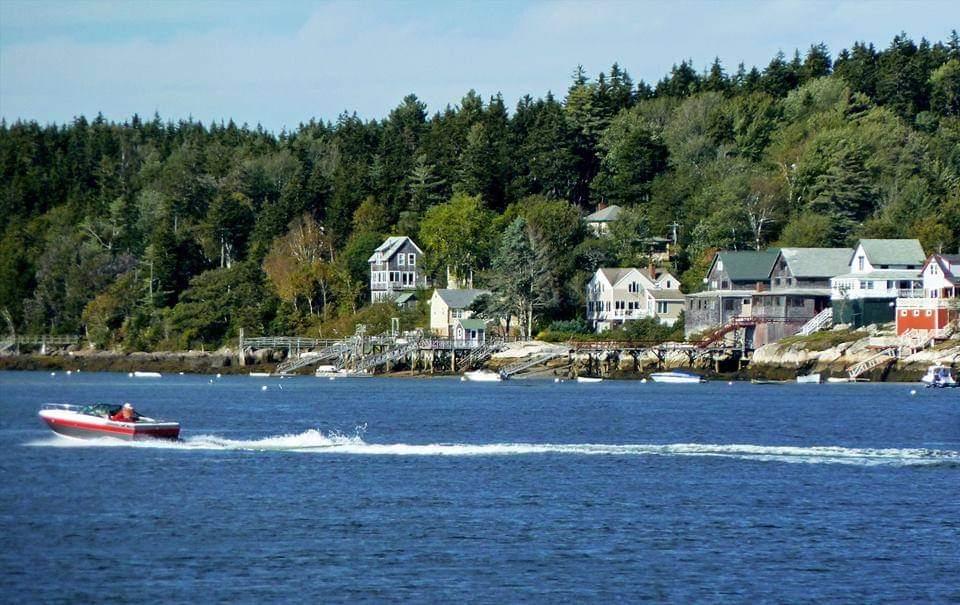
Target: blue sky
[282, 63]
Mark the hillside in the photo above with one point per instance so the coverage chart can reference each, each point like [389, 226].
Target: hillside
[151, 235]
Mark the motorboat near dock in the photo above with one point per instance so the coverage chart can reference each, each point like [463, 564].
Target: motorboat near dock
[939, 377]
[484, 376]
[677, 377]
[94, 422]
[809, 379]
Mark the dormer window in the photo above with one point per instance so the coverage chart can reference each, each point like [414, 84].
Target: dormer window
[860, 263]
[719, 264]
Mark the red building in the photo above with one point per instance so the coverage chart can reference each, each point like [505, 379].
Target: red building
[935, 309]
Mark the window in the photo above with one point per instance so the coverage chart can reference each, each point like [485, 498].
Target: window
[661, 307]
[400, 260]
[860, 263]
[719, 264]
[903, 313]
[928, 313]
[916, 312]
[456, 313]
[776, 281]
[412, 259]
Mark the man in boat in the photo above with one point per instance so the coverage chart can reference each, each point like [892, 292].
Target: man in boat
[126, 414]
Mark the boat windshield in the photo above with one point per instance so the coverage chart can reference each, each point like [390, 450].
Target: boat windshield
[100, 410]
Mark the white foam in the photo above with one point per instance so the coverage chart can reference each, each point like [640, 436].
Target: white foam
[314, 441]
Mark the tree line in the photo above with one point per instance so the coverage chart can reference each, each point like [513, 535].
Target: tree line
[148, 234]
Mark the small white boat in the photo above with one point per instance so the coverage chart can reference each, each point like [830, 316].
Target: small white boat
[260, 374]
[483, 376]
[809, 379]
[146, 375]
[677, 377]
[939, 376]
[588, 379]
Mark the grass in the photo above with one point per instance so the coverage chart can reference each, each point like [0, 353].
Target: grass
[821, 341]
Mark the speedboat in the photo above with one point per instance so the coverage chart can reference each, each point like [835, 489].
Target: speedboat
[484, 376]
[93, 421]
[677, 377]
[939, 376]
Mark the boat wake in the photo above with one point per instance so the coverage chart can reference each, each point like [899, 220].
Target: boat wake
[314, 441]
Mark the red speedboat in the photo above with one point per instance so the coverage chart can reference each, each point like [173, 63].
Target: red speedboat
[93, 421]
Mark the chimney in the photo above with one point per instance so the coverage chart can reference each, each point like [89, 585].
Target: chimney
[652, 271]
[761, 286]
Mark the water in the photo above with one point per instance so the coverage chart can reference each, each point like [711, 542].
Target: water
[438, 490]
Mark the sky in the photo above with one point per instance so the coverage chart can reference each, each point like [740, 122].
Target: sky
[280, 64]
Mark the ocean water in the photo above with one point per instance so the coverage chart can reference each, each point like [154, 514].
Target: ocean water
[442, 491]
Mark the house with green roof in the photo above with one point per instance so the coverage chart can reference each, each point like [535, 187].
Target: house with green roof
[599, 221]
[448, 305]
[470, 331]
[878, 272]
[728, 286]
[798, 290]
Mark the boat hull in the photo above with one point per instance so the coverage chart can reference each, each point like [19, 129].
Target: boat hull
[482, 376]
[81, 426]
[676, 378]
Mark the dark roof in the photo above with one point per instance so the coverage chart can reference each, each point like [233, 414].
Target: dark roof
[459, 299]
[747, 265]
[610, 213]
[817, 262]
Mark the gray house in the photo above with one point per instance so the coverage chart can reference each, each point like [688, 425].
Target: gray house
[730, 282]
[396, 267]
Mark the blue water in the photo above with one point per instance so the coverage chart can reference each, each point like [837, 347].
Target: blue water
[438, 490]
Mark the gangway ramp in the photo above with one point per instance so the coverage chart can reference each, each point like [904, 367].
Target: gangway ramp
[534, 360]
[306, 359]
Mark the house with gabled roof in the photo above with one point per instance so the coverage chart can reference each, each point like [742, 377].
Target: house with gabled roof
[599, 221]
[618, 295]
[448, 305]
[396, 267]
[728, 286]
[934, 309]
[879, 272]
[797, 291]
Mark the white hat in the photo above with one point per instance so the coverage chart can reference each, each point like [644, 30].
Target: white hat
[127, 406]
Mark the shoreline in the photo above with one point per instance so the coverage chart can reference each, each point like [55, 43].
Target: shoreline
[219, 363]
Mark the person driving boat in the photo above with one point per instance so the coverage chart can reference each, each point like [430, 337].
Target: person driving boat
[126, 414]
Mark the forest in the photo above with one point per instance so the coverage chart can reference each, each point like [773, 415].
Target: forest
[160, 235]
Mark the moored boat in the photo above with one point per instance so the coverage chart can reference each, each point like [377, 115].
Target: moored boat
[677, 377]
[484, 376]
[93, 422]
[146, 374]
[588, 379]
[809, 379]
[939, 376]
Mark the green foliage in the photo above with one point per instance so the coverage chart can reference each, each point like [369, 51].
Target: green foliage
[114, 228]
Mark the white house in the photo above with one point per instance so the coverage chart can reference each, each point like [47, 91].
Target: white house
[619, 295]
[881, 270]
[449, 305]
[935, 308]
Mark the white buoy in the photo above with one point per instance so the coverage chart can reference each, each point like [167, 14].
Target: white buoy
[557, 380]
[463, 379]
[130, 374]
[218, 375]
[69, 372]
[332, 378]
[263, 388]
[730, 383]
[53, 373]
[643, 381]
[181, 373]
[913, 391]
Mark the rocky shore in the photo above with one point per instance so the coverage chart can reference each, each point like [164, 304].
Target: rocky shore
[828, 353]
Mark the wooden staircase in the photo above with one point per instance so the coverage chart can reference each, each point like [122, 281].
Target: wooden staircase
[818, 322]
